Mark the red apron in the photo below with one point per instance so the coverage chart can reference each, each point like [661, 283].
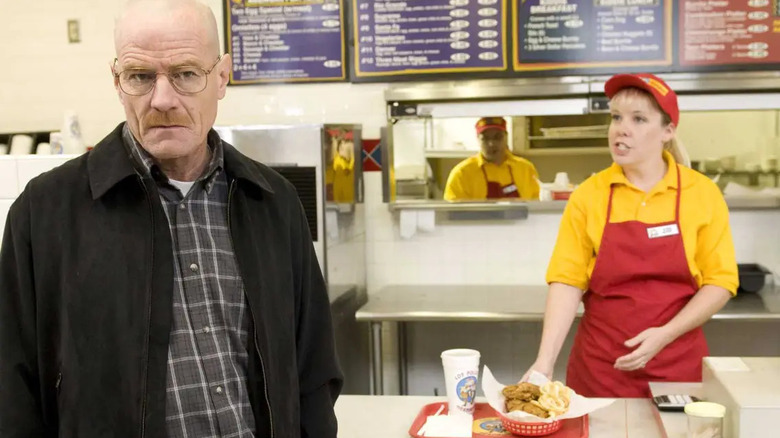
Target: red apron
[638, 282]
[329, 192]
[497, 191]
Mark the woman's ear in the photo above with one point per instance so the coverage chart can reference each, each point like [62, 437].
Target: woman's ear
[669, 132]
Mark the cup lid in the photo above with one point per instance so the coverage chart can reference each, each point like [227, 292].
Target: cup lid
[705, 409]
[460, 352]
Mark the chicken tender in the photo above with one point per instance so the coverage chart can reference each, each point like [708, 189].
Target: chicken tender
[522, 391]
[526, 406]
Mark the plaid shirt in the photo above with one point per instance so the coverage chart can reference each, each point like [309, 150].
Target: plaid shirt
[207, 355]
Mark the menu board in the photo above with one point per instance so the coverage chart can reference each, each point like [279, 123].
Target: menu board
[715, 33]
[285, 41]
[575, 34]
[407, 37]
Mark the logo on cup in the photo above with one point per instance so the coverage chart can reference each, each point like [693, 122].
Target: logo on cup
[467, 390]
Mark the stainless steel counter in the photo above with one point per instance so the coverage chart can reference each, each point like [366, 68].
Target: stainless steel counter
[734, 203]
[392, 416]
[512, 303]
[418, 303]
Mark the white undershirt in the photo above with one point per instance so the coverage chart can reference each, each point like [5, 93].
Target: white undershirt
[183, 186]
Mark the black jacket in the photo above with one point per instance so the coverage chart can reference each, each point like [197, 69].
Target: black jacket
[86, 284]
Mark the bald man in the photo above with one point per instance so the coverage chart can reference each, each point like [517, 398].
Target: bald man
[163, 284]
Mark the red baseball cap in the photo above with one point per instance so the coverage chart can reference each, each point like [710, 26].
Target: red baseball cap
[490, 123]
[665, 96]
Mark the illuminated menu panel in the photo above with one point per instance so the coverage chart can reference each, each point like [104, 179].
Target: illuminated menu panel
[407, 37]
[726, 32]
[575, 34]
[292, 41]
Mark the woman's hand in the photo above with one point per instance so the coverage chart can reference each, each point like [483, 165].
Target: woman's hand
[540, 367]
[649, 342]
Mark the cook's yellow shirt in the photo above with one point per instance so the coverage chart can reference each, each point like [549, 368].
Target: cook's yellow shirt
[704, 224]
[467, 181]
[341, 175]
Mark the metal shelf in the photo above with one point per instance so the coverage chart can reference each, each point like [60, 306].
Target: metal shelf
[586, 150]
[456, 153]
[573, 137]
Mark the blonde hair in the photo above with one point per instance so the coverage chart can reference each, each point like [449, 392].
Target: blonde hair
[678, 151]
[673, 146]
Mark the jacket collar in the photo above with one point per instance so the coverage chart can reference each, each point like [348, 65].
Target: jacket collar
[238, 166]
[109, 163]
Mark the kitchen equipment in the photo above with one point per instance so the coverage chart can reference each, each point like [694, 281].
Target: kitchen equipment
[673, 402]
[752, 277]
[710, 165]
[705, 419]
[728, 163]
[575, 131]
[560, 195]
[749, 388]
[770, 164]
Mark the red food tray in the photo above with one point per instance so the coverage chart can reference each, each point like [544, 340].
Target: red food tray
[487, 423]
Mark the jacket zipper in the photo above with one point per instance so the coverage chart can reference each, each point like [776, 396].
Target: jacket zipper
[148, 315]
[251, 312]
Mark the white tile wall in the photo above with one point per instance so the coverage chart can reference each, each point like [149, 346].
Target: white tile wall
[514, 252]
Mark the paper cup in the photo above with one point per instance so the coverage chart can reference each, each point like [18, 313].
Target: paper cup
[21, 144]
[562, 179]
[43, 149]
[461, 372]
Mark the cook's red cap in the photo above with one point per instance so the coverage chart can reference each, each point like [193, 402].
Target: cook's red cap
[490, 123]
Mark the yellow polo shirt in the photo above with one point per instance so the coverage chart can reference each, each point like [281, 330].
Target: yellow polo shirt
[704, 224]
[341, 176]
[467, 181]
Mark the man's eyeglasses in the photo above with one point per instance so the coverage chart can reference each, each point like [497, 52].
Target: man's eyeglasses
[185, 79]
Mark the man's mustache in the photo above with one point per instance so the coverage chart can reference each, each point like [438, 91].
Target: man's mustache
[165, 119]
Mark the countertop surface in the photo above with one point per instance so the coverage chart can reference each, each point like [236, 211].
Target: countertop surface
[515, 303]
[362, 416]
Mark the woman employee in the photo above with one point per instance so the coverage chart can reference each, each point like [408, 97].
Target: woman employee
[493, 173]
[646, 246]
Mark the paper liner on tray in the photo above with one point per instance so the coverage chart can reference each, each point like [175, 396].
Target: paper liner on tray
[578, 405]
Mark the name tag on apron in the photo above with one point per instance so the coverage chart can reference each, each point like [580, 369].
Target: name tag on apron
[663, 231]
[509, 189]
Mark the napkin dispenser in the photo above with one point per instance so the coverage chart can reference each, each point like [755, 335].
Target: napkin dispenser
[749, 387]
